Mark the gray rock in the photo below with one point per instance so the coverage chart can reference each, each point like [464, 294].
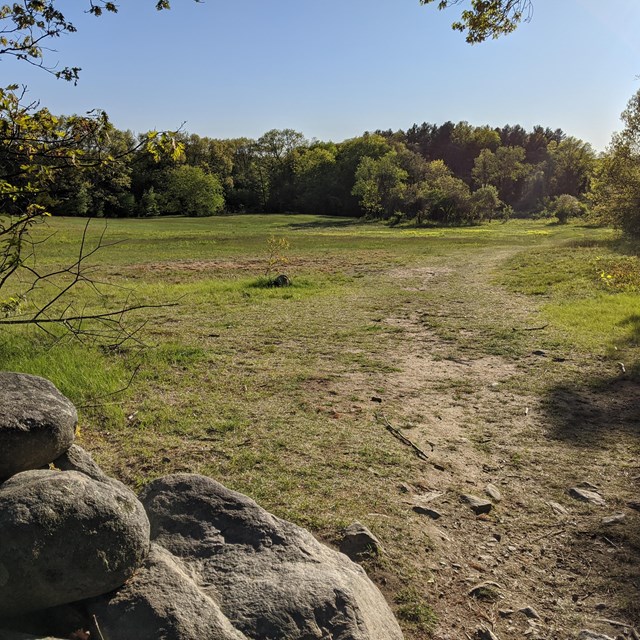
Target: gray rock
[359, 543]
[479, 505]
[493, 492]
[75, 458]
[37, 423]
[65, 537]
[586, 495]
[281, 281]
[429, 496]
[274, 579]
[616, 518]
[530, 612]
[427, 511]
[162, 602]
[558, 508]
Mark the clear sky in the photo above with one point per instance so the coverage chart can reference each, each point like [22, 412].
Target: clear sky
[333, 69]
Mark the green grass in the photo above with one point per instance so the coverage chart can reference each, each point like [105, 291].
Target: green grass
[269, 390]
[591, 292]
[414, 610]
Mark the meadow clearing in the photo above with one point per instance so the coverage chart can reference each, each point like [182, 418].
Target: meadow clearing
[508, 352]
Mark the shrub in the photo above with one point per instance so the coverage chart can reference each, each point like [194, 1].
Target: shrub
[565, 206]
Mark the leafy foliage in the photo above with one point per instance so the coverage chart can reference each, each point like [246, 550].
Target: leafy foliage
[488, 18]
[566, 206]
[190, 191]
[276, 254]
[39, 150]
[25, 27]
[615, 189]
[380, 184]
[619, 273]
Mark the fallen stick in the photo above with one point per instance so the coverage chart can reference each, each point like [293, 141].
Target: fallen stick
[544, 326]
[549, 534]
[398, 434]
[615, 623]
[95, 622]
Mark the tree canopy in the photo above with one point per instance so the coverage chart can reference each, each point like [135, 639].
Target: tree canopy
[487, 18]
[38, 151]
[616, 184]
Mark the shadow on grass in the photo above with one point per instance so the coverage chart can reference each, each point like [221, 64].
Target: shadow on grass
[612, 554]
[588, 412]
[586, 415]
[603, 414]
[326, 222]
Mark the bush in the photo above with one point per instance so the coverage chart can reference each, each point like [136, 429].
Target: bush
[565, 206]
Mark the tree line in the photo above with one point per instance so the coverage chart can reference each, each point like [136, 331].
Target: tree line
[449, 173]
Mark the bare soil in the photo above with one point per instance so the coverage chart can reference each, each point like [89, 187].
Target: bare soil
[533, 425]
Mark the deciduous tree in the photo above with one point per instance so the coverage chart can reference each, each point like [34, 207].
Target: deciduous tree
[35, 149]
[190, 191]
[615, 190]
[380, 184]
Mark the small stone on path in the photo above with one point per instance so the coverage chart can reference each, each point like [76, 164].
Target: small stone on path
[493, 492]
[589, 486]
[427, 497]
[530, 612]
[558, 508]
[617, 518]
[427, 511]
[358, 542]
[483, 633]
[585, 495]
[478, 505]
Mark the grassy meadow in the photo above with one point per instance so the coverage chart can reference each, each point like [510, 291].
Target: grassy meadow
[269, 390]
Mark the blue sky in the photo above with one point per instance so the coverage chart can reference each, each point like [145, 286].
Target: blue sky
[335, 68]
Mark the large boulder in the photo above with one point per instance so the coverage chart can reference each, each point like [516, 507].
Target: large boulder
[272, 578]
[65, 537]
[37, 423]
[162, 602]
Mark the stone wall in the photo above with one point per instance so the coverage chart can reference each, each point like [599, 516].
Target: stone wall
[82, 556]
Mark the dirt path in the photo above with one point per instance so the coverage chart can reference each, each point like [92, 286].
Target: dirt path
[539, 564]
